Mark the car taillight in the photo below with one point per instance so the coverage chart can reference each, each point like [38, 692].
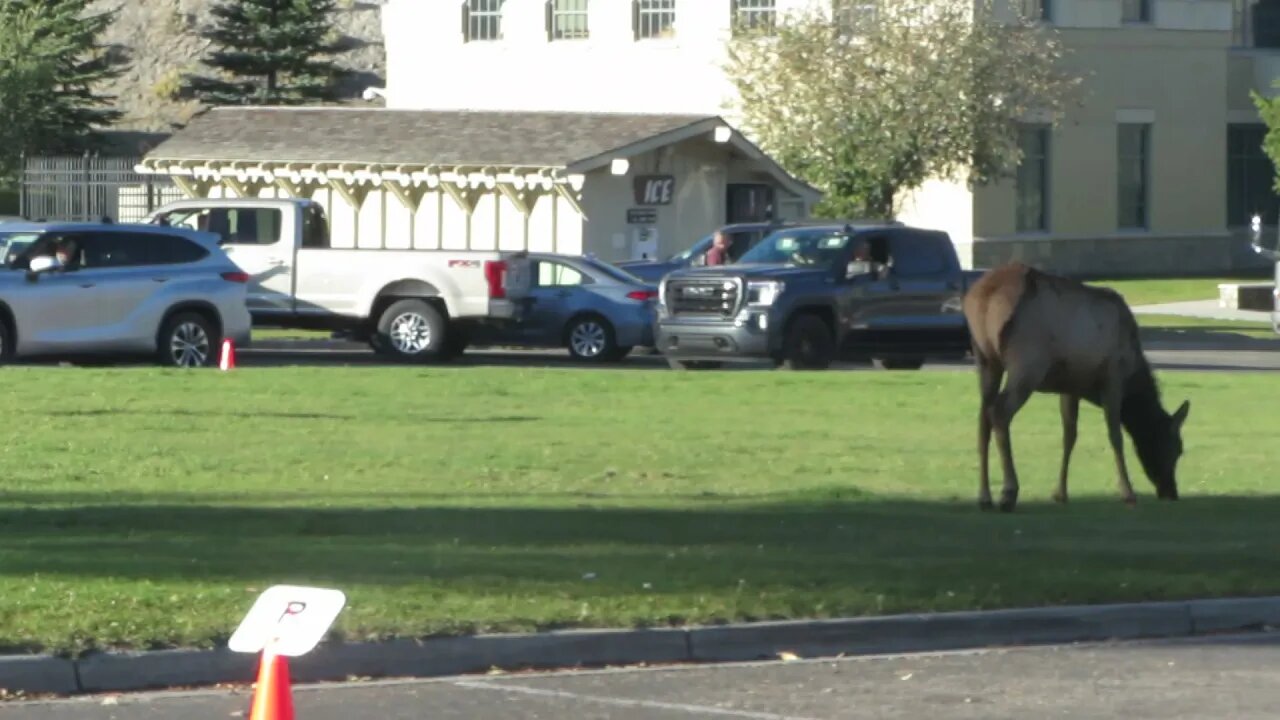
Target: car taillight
[642, 294]
[495, 272]
[239, 277]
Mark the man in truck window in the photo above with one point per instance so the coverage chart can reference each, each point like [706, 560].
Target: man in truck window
[719, 251]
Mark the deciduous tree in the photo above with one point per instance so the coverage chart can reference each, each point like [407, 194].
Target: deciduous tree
[876, 98]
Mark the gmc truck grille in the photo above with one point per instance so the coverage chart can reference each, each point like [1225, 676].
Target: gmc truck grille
[709, 298]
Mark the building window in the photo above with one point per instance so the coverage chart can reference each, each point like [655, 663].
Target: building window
[1033, 179]
[754, 14]
[567, 19]
[1135, 11]
[652, 19]
[1035, 10]
[1133, 161]
[482, 20]
[1250, 177]
[850, 15]
[1255, 24]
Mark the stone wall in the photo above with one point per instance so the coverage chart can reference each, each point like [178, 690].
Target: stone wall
[1147, 256]
[161, 37]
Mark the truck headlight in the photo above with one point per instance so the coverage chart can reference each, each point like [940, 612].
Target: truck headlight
[764, 293]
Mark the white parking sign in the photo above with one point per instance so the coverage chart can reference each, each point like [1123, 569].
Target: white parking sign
[288, 620]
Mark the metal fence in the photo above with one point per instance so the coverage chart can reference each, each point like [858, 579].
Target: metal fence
[90, 187]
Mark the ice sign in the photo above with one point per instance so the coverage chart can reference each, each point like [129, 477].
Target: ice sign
[288, 620]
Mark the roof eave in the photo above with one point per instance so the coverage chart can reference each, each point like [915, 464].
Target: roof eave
[710, 124]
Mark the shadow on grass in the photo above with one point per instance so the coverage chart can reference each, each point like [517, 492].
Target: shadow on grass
[154, 412]
[806, 557]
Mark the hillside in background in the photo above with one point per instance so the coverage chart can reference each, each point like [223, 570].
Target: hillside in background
[161, 38]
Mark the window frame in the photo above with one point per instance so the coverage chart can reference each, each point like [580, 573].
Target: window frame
[1143, 14]
[1045, 140]
[560, 31]
[1241, 165]
[1143, 158]
[643, 10]
[483, 11]
[747, 16]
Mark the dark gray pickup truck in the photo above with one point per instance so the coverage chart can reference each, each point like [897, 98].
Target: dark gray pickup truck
[807, 296]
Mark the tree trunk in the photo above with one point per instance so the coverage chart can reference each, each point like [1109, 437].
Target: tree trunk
[881, 204]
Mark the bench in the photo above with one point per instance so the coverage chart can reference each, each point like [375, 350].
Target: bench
[1247, 296]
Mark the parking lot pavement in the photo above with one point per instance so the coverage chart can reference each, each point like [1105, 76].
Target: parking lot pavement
[1222, 677]
[284, 353]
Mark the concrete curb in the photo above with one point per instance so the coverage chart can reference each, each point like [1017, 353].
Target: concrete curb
[434, 657]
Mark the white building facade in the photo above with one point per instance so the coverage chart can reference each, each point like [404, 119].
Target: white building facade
[1157, 170]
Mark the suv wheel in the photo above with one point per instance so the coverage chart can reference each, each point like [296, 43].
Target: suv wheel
[6, 343]
[188, 340]
[410, 330]
[809, 345]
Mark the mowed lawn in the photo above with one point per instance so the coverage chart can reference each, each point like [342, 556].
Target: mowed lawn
[148, 508]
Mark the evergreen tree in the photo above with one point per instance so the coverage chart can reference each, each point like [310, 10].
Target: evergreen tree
[271, 52]
[50, 62]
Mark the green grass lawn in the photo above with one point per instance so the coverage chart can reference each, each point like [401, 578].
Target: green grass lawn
[148, 508]
[1205, 328]
[1153, 291]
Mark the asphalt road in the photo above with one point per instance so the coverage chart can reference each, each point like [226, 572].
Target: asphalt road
[1235, 677]
[286, 353]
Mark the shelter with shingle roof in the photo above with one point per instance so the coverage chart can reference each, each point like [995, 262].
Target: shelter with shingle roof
[614, 184]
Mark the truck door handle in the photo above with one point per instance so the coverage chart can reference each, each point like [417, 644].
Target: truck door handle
[86, 285]
[275, 263]
[160, 279]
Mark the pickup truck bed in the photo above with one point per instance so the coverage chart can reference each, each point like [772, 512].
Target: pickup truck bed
[408, 304]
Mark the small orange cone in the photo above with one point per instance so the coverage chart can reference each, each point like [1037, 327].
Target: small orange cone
[272, 697]
[228, 359]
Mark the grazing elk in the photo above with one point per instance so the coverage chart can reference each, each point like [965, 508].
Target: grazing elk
[1055, 335]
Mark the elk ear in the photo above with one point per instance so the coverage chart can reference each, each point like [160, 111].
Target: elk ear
[1180, 415]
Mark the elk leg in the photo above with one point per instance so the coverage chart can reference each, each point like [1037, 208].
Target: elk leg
[1011, 399]
[1070, 406]
[989, 388]
[1117, 446]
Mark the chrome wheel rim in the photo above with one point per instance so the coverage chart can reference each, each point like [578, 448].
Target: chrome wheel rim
[587, 339]
[189, 345]
[410, 333]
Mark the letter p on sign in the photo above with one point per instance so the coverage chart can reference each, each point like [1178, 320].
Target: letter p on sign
[288, 620]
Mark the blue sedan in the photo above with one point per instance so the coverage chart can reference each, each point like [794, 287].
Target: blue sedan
[596, 311]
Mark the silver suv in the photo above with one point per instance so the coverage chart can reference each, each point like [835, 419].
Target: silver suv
[108, 289]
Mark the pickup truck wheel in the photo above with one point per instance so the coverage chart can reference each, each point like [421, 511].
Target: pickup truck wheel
[899, 363]
[808, 345]
[410, 330]
[188, 340]
[591, 338]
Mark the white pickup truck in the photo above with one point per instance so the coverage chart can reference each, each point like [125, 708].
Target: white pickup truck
[407, 304]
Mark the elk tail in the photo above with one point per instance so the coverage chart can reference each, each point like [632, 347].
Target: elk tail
[1025, 297]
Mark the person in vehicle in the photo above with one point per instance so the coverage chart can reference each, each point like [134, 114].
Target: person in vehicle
[719, 252]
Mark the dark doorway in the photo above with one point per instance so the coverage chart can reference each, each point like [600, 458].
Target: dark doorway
[748, 203]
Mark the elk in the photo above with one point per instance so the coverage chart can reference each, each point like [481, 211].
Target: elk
[1055, 335]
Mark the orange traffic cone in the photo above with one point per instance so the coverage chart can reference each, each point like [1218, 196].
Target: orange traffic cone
[228, 359]
[272, 698]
